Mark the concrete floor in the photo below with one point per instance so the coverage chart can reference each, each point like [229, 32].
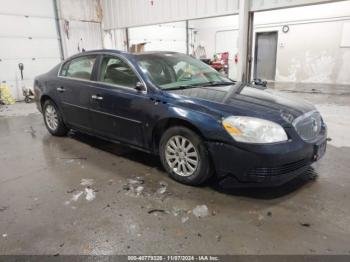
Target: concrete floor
[81, 195]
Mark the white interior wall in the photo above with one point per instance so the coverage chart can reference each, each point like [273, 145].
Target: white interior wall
[132, 13]
[315, 50]
[162, 37]
[265, 5]
[218, 34]
[312, 51]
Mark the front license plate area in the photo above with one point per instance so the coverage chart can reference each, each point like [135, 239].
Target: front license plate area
[320, 150]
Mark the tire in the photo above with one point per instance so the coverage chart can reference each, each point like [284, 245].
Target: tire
[53, 119]
[179, 161]
[27, 100]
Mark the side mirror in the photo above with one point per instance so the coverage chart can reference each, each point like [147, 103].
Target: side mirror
[140, 86]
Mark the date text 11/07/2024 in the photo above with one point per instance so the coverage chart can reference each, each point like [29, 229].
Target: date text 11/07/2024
[174, 258]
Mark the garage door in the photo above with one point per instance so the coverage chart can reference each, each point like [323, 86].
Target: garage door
[28, 35]
[162, 37]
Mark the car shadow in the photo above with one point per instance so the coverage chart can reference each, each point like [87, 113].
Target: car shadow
[153, 161]
[119, 150]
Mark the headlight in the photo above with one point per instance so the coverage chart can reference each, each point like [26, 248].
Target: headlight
[254, 130]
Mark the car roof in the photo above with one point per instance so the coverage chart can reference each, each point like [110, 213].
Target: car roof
[115, 51]
[156, 53]
[97, 51]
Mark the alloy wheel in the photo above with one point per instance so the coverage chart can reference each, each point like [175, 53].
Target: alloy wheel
[181, 156]
[51, 117]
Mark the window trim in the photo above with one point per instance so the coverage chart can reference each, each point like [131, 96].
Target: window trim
[75, 58]
[98, 75]
[100, 56]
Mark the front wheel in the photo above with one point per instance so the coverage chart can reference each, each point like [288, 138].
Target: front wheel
[184, 156]
[53, 119]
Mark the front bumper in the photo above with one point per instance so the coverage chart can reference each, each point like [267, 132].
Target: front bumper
[265, 165]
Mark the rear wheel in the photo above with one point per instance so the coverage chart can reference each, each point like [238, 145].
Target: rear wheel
[53, 119]
[184, 156]
[27, 99]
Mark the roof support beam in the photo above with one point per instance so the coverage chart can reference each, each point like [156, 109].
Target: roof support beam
[244, 40]
[266, 5]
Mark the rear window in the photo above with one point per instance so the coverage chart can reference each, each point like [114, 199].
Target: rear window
[80, 68]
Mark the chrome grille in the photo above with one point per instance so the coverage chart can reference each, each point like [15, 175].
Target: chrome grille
[309, 125]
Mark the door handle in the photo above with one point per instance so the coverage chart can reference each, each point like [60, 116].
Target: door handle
[96, 97]
[61, 89]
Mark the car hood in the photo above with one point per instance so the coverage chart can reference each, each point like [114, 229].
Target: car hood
[240, 99]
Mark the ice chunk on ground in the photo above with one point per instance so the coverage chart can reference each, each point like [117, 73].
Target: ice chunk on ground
[200, 211]
[87, 182]
[76, 196]
[90, 194]
[139, 190]
[184, 219]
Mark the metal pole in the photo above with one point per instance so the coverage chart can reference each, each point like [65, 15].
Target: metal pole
[250, 47]
[58, 29]
[187, 39]
[243, 39]
[127, 39]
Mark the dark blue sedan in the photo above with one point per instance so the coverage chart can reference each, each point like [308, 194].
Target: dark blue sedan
[199, 122]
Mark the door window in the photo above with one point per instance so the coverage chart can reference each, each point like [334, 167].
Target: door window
[80, 68]
[115, 71]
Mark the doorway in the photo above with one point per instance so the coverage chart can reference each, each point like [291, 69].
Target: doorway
[265, 55]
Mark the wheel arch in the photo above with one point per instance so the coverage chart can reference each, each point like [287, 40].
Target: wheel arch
[46, 97]
[165, 124]
[43, 99]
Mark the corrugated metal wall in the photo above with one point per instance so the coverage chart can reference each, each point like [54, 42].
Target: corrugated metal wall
[28, 35]
[129, 13]
[80, 23]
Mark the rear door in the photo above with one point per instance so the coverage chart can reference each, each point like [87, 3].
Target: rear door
[118, 110]
[74, 89]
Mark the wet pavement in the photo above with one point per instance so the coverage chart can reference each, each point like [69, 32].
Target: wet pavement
[82, 195]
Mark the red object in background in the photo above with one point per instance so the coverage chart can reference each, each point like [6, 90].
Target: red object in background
[221, 62]
[224, 57]
[236, 58]
[217, 65]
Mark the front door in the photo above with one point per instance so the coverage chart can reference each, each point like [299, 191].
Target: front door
[118, 110]
[74, 90]
[265, 55]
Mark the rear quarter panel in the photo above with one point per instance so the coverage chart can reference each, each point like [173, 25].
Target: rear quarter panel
[45, 86]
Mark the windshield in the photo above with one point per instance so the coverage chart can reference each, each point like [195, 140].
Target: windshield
[174, 71]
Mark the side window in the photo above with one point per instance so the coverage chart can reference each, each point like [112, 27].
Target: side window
[115, 71]
[160, 72]
[79, 68]
[64, 69]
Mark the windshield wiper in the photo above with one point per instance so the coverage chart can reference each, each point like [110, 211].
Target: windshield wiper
[218, 83]
[211, 83]
[182, 87]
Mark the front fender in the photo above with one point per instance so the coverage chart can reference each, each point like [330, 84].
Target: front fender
[208, 125]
